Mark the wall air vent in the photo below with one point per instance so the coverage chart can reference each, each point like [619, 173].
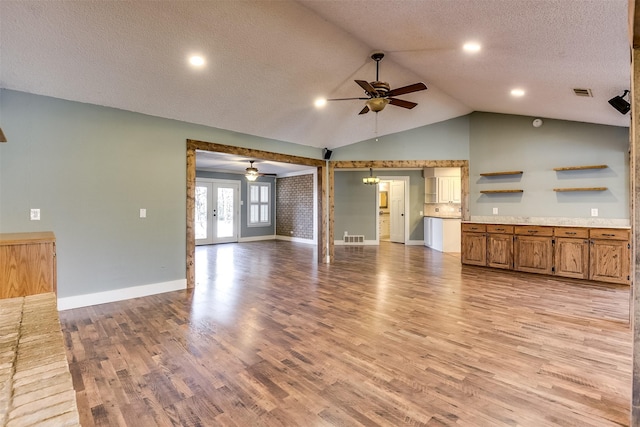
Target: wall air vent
[583, 92]
[353, 239]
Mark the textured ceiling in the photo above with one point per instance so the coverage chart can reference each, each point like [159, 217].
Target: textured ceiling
[267, 61]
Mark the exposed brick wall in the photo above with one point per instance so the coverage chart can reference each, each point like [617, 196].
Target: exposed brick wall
[294, 206]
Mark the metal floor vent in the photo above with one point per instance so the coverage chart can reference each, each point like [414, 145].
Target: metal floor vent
[583, 92]
[354, 239]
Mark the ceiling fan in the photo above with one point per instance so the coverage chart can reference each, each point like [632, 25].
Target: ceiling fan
[252, 173]
[379, 94]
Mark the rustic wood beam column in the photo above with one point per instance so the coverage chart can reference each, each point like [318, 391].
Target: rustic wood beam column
[634, 176]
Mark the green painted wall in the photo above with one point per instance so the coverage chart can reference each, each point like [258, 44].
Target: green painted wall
[356, 208]
[500, 142]
[90, 169]
[448, 140]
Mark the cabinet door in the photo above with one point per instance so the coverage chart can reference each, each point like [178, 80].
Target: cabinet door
[474, 248]
[456, 190]
[609, 261]
[444, 190]
[572, 257]
[533, 254]
[449, 190]
[27, 269]
[500, 250]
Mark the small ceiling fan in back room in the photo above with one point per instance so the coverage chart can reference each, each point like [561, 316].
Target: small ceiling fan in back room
[252, 173]
[379, 93]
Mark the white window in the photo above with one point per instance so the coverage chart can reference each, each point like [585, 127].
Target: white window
[259, 204]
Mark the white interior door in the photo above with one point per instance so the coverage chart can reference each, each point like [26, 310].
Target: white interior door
[397, 214]
[217, 211]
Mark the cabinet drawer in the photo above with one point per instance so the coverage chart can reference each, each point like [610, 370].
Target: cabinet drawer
[609, 233]
[577, 232]
[474, 228]
[499, 229]
[533, 230]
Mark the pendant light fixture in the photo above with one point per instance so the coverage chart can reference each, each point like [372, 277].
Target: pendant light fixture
[252, 173]
[371, 180]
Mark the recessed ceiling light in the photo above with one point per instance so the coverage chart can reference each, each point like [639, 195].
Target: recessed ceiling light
[517, 92]
[472, 47]
[320, 102]
[196, 61]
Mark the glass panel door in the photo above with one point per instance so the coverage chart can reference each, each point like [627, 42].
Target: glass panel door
[226, 213]
[203, 218]
[217, 211]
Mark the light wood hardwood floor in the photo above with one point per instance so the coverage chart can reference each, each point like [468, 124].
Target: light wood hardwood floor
[386, 336]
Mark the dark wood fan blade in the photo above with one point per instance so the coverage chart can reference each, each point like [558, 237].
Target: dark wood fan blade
[402, 103]
[365, 110]
[407, 89]
[367, 87]
[344, 99]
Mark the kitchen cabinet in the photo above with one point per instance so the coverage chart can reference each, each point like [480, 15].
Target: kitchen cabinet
[500, 246]
[571, 252]
[442, 234]
[609, 255]
[442, 185]
[27, 264]
[533, 249]
[600, 254]
[474, 244]
[449, 189]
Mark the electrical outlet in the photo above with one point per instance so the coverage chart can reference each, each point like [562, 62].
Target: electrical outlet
[594, 211]
[143, 213]
[35, 214]
[495, 211]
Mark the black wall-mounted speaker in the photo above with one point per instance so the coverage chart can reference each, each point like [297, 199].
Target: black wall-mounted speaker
[326, 153]
[620, 104]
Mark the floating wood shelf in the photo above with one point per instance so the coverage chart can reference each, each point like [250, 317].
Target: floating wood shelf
[501, 191]
[579, 168]
[501, 173]
[580, 189]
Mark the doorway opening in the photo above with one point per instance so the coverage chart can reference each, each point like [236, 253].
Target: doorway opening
[392, 209]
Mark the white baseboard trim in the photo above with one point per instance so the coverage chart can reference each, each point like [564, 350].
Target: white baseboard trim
[415, 243]
[296, 239]
[86, 300]
[256, 238]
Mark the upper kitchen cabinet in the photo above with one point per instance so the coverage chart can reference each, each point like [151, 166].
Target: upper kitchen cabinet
[442, 185]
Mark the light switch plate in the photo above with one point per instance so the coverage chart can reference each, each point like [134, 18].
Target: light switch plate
[143, 213]
[495, 211]
[35, 214]
[594, 211]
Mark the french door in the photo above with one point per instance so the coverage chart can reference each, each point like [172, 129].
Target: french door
[217, 211]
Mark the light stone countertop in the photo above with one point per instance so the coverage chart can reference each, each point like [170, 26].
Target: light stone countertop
[553, 221]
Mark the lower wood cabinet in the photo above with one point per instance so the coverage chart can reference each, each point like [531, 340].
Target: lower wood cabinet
[474, 244]
[571, 252]
[27, 264]
[609, 255]
[533, 249]
[500, 246]
[599, 254]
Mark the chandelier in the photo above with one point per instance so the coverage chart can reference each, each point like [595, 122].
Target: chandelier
[371, 180]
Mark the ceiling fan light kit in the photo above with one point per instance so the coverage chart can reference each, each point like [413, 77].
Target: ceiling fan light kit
[251, 172]
[379, 93]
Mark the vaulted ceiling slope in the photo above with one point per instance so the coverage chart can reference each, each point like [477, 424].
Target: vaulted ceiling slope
[267, 61]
